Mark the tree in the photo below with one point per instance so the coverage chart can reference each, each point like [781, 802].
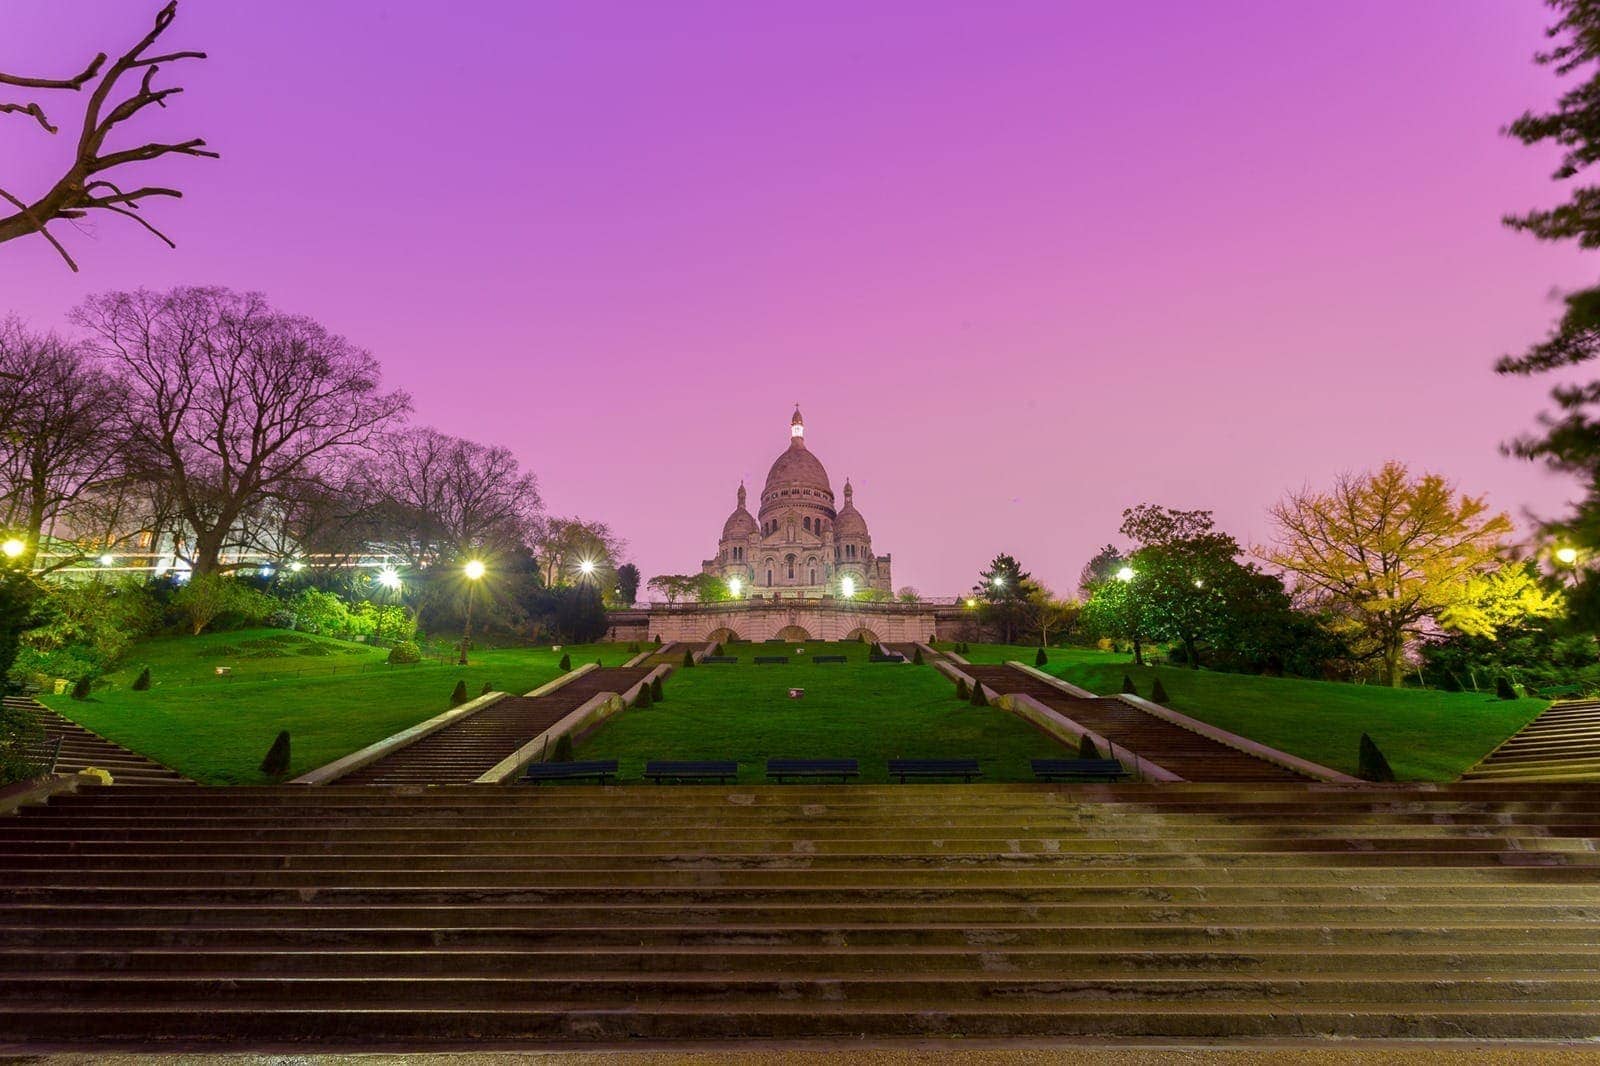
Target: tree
[1005, 595]
[1391, 553]
[87, 184]
[1116, 609]
[62, 420]
[1100, 569]
[674, 586]
[1050, 615]
[627, 584]
[232, 404]
[908, 595]
[563, 545]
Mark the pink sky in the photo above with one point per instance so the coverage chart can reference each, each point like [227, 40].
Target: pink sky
[1023, 264]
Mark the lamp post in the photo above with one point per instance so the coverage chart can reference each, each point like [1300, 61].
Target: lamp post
[474, 571]
[1126, 576]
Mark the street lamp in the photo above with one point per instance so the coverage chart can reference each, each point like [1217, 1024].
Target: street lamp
[848, 587]
[389, 578]
[999, 582]
[108, 559]
[474, 571]
[972, 603]
[1125, 574]
[586, 568]
[1199, 584]
[13, 547]
[1567, 556]
[734, 585]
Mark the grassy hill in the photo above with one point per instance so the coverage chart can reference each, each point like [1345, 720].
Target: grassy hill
[332, 696]
[1426, 735]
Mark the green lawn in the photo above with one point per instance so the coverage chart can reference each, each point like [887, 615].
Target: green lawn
[867, 711]
[1426, 735]
[333, 699]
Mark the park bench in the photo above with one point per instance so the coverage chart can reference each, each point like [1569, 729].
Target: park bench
[570, 771]
[891, 657]
[1078, 770]
[966, 769]
[830, 659]
[713, 770]
[843, 769]
[763, 660]
[720, 659]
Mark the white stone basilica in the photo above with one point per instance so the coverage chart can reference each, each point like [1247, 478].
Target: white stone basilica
[798, 546]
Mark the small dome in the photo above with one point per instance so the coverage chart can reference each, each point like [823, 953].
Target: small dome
[849, 522]
[739, 524]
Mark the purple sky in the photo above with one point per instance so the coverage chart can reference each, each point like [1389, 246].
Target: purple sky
[1023, 264]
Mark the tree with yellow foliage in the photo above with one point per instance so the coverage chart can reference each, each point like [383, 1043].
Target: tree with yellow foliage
[1395, 554]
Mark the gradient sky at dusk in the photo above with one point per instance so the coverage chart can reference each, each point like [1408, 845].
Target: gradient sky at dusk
[1022, 264]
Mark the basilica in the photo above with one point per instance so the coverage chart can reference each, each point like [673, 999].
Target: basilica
[798, 545]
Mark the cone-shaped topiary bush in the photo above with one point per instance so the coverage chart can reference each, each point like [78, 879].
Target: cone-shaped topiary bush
[1159, 693]
[1039, 657]
[656, 690]
[142, 682]
[1371, 765]
[634, 647]
[276, 764]
[563, 752]
[486, 689]
[80, 691]
[1128, 686]
[1502, 688]
[688, 656]
[962, 691]
[459, 696]
[916, 655]
[979, 699]
[643, 698]
[1086, 748]
[566, 662]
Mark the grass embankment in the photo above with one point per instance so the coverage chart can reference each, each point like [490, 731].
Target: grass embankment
[867, 711]
[1425, 734]
[332, 696]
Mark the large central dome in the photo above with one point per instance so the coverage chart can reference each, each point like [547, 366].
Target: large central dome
[797, 471]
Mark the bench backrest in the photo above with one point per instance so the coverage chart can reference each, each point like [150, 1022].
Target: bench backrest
[710, 768]
[572, 769]
[771, 659]
[720, 659]
[953, 766]
[830, 659]
[795, 766]
[1076, 766]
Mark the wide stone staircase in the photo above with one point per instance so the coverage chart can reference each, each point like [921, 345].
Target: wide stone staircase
[1189, 755]
[1562, 744]
[336, 918]
[463, 751]
[81, 749]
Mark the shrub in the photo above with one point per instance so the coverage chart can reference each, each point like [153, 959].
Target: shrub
[634, 647]
[142, 682]
[916, 655]
[19, 732]
[404, 654]
[979, 699]
[1158, 694]
[1371, 765]
[962, 691]
[1086, 748]
[643, 699]
[566, 662]
[1128, 686]
[80, 689]
[459, 696]
[1503, 689]
[486, 689]
[276, 764]
[688, 657]
[716, 649]
[656, 690]
[563, 752]
[1039, 657]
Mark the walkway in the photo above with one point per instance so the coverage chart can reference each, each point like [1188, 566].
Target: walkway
[1562, 744]
[462, 752]
[1172, 747]
[81, 749]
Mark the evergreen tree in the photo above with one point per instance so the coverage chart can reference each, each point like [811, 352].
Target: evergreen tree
[962, 691]
[688, 656]
[1158, 694]
[563, 752]
[276, 764]
[1039, 657]
[486, 689]
[1502, 688]
[1128, 686]
[142, 682]
[566, 662]
[1371, 765]
[916, 655]
[1086, 748]
[459, 695]
[643, 699]
[80, 690]
[979, 699]
[656, 690]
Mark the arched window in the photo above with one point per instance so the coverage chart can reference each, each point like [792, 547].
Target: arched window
[769, 577]
[790, 561]
[806, 521]
[812, 580]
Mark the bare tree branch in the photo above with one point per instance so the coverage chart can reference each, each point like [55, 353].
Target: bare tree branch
[73, 195]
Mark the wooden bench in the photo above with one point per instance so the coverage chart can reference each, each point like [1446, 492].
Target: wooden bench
[966, 769]
[598, 771]
[843, 769]
[763, 660]
[720, 659]
[718, 771]
[1078, 770]
[891, 657]
[830, 658]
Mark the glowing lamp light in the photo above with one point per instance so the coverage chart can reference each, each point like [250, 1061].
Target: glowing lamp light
[1566, 556]
[1199, 584]
[107, 559]
[12, 547]
[848, 587]
[473, 570]
[1125, 574]
[734, 585]
[266, 571]
[999, 582]
[296, 566]
[585, 568]
[389, 578]
[972, 603]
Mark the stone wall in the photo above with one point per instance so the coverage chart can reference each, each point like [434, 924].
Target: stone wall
[766, 620]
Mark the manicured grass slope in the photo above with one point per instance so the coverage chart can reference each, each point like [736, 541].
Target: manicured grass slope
[216, 730]
[867, 711]
[1426, 735]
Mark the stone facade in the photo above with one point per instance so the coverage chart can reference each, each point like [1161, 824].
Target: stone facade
[759, 619]
[798, 545]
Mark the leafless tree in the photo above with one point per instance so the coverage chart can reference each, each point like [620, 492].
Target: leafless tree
[563, 544]
[86, 186]
[62, 419]
[233, 405]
